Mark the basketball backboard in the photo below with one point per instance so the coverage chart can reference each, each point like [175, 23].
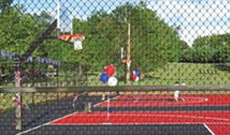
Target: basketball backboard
[64, 18]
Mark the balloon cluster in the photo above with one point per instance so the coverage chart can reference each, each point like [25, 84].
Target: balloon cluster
[108, 75]
[136, 75]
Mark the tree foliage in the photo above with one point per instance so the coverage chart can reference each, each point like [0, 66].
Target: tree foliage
[17, 30]
[5, 4]
[209, 49]
[153, 42]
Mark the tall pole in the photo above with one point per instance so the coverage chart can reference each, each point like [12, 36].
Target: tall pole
[18, 96]
[128, 55]
[58, 15]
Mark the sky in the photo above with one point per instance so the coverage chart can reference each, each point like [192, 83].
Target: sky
[196, 18]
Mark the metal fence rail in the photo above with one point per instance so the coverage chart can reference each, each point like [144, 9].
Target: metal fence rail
[115, 89]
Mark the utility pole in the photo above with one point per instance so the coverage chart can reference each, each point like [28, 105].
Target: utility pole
[128, 55]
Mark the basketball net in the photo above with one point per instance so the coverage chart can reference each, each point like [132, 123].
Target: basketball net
[75, 39]
[77, 42]
[77, 45]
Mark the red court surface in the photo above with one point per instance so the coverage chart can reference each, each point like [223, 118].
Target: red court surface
[160, 100]
[220, 129]
[193, 117]
[216, 122]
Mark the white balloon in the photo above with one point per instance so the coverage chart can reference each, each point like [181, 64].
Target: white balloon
[176, 94]
[112, 81]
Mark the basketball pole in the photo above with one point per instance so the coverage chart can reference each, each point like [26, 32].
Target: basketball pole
[128, 54]
[58, 17]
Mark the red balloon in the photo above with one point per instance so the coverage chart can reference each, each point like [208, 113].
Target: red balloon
[110, 70]
[134, 76]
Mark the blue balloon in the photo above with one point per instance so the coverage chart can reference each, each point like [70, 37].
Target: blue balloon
[138, 72]
[104, 77]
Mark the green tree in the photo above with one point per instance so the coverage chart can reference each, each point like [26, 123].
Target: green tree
[217, 46]
[99, 48]
[17, 30]
[153, 42]
[5, 4]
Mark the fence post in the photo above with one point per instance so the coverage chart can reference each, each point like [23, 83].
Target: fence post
[18, 111]
[19, 114]
[57, 75]
[33, 73]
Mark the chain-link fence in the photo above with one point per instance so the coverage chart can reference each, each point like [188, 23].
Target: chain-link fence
[131, 111]
[167, 41]
[115, 67]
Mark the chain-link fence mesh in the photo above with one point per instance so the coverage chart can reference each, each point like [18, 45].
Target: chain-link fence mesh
[117, 112]
[170, 41]
[66, 46]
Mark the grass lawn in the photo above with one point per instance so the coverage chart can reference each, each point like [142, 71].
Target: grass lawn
[189, 73]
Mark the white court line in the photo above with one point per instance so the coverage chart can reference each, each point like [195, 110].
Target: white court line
[48, 123]
[209, 130]
[45, 124]
[193, 117]
[32, 129]
[75, 112]
[105, 101]
[199, 100]
[182, 99]
[161, 115]
[224, 121]
[145, 123]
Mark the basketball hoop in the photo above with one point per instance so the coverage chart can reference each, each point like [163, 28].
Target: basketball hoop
[64, 25]
[75, 39]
